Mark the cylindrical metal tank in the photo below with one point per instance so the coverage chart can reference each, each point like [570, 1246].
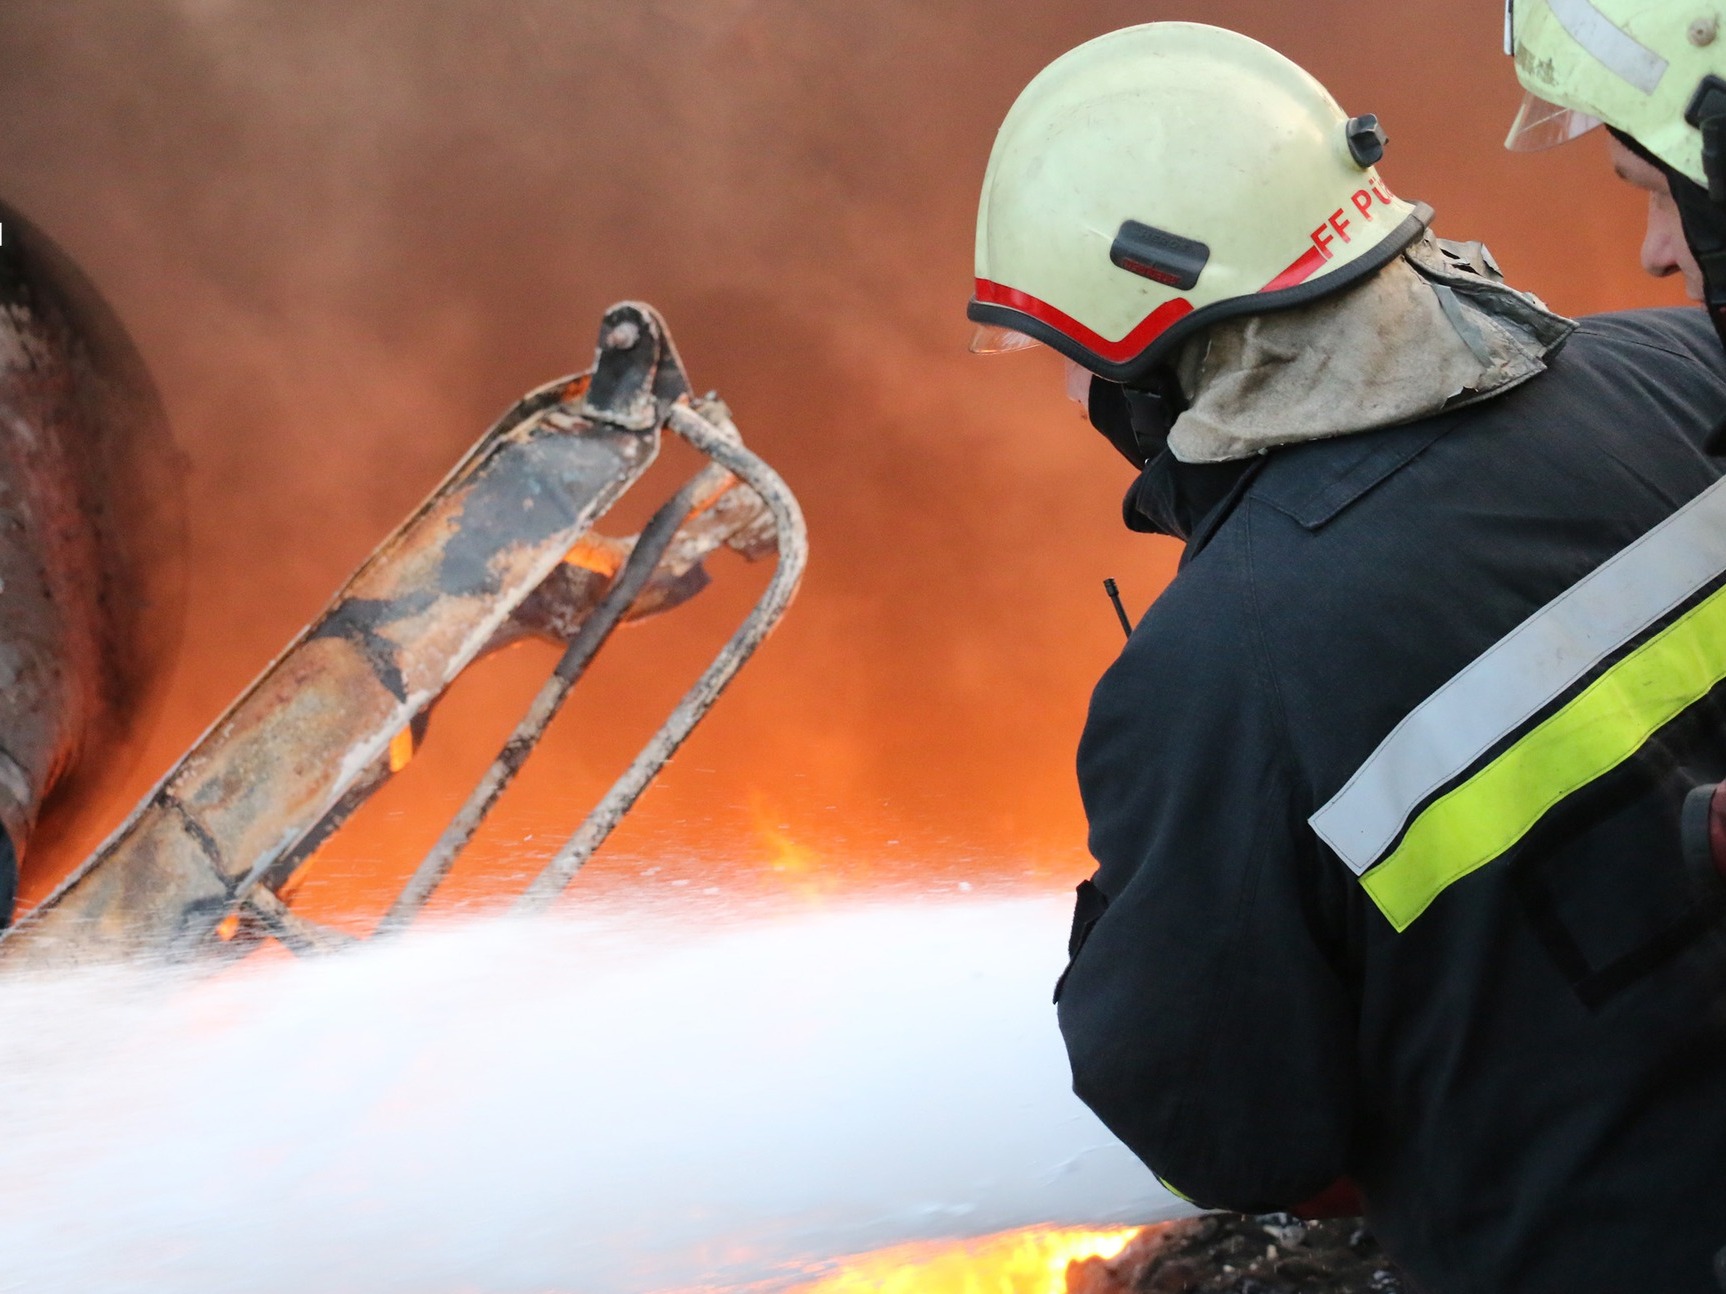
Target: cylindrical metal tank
[90, 531]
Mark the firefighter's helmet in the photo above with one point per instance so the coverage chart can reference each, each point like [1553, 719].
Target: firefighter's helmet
[1166, 176]
[1651, 69]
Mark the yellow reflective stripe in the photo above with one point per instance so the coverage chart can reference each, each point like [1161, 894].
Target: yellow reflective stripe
[1523, 675]
[1184, 1199]
[1606, 724]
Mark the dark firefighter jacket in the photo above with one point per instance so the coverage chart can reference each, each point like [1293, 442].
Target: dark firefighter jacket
[1384, 793]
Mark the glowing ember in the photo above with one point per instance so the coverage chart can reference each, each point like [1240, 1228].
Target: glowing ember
[1020, 1262]
[599, 554]
[401, 750]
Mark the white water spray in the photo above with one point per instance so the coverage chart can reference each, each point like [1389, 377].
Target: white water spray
[599, 1103]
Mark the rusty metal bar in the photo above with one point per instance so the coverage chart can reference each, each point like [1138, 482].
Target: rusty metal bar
[295, 933]
[656, 537]
[277, 875]
[720, 442]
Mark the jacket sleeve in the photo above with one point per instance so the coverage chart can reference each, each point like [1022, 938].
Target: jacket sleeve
[1206, 1015]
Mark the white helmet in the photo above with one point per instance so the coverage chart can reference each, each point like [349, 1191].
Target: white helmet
[1158, 179]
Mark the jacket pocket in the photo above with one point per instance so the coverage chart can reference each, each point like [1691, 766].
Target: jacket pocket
[1625, 900]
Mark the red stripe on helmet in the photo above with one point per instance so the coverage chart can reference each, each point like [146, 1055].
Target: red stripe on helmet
[1154, 325]
[1299, 272]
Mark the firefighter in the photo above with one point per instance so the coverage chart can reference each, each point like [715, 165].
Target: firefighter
[1652, 72]
[1384, 789]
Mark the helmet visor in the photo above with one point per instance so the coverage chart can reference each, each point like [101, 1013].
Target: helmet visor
[1540, 125]
[991, 339]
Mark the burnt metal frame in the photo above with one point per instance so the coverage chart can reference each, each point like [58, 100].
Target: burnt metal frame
[211, 844]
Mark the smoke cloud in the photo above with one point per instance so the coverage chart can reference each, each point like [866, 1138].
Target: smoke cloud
[346, 236]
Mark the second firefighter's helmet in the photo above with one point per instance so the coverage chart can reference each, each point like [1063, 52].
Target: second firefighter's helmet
[1651, 69]
[1158, 179]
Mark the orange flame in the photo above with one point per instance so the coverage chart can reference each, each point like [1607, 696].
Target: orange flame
[798, 864]
[1020, 1262]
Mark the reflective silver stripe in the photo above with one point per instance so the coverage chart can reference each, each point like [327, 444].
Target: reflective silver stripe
[1616, 49]
[1510, 28]
[1523, 673]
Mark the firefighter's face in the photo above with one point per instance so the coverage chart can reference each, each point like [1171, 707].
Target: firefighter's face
[1664, 250]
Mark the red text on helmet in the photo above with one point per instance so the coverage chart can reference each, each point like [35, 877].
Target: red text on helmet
[1338, 225]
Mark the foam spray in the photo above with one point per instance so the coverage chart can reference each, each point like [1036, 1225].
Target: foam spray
[609, 1100]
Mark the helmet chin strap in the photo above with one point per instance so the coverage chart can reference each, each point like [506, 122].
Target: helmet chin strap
[1136, 419]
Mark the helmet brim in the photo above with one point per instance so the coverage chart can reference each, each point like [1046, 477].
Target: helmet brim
[992, 339]
[1541, 125]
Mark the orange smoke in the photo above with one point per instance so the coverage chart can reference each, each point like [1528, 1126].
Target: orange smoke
[346, 237]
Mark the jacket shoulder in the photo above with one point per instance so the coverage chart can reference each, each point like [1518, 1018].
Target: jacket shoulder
[1625, 384]
[1684, 333]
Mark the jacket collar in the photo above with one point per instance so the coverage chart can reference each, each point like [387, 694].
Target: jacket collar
[1186, 501]
[1312, 484]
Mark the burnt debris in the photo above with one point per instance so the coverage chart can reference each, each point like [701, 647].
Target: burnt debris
[1229, 1253]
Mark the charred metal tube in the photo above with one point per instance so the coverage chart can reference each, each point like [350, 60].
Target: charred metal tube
[721, 443]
